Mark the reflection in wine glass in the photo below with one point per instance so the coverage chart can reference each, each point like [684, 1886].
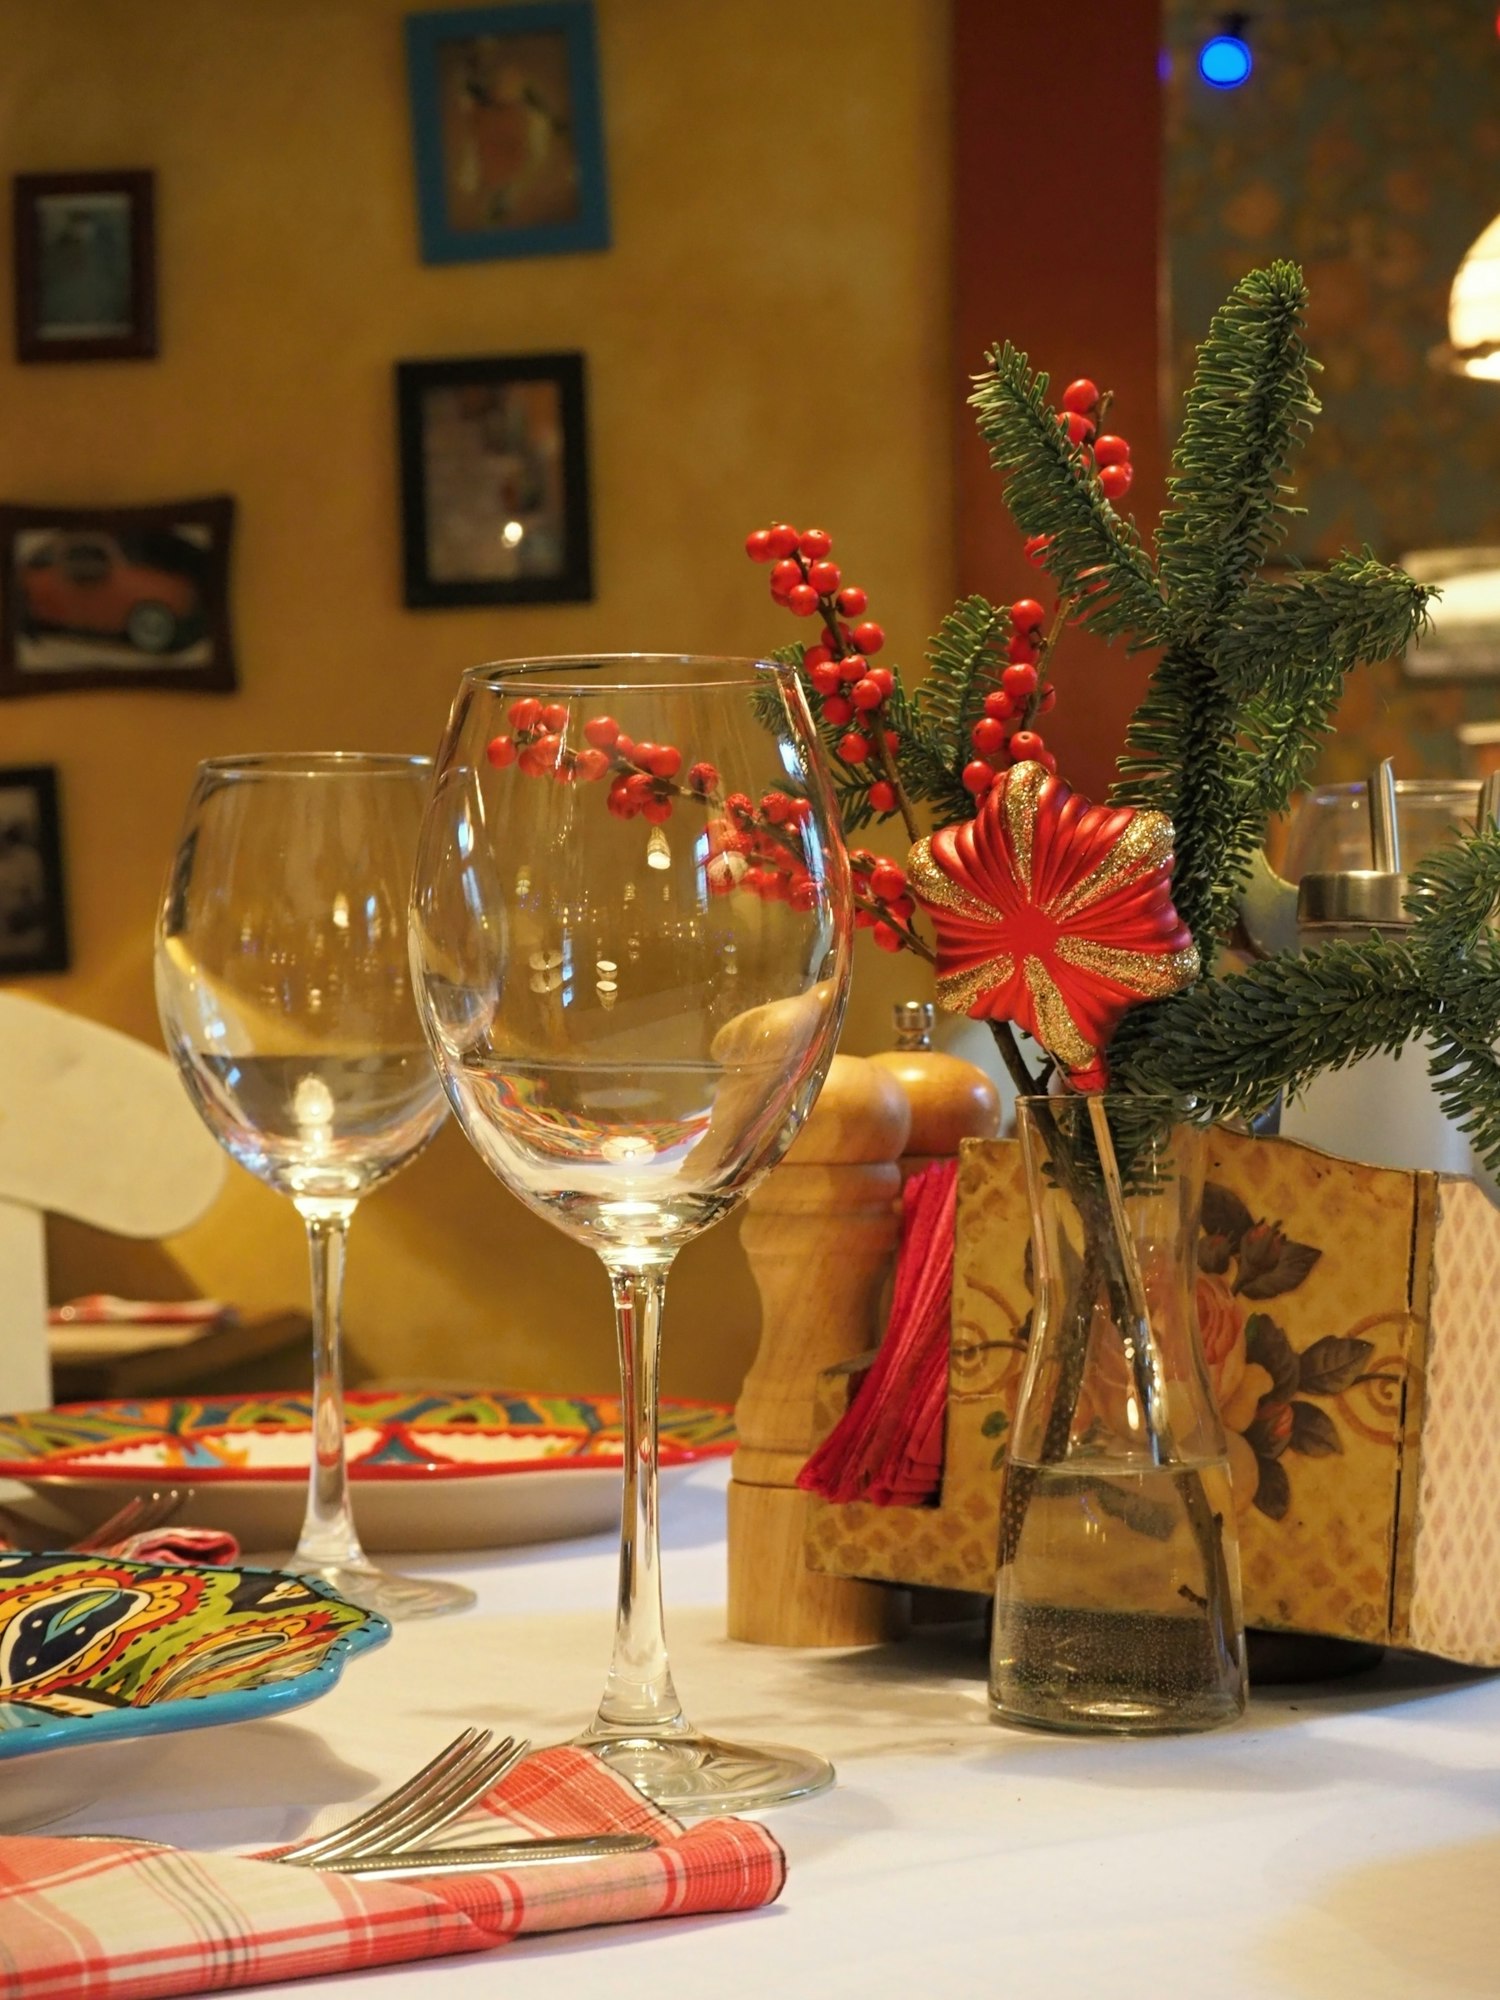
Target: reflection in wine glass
[630, 930]
[285, 1000]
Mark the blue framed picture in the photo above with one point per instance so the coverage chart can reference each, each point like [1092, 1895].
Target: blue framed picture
[507, 132]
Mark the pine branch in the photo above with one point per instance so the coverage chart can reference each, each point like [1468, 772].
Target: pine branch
[1052, 490]
[1249, 407]
[964, 663]
[1453, 900]
[1234, 1043]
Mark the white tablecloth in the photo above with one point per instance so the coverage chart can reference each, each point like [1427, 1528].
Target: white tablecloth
[1341, 1841]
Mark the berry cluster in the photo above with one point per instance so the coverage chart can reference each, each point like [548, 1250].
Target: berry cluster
[1005, 730]
[755, 847]
[645, 775]
[881, 903]
[1083, 410]
[851, 694]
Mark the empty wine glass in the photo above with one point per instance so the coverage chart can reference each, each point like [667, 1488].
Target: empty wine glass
[284, 992]
[630, 932]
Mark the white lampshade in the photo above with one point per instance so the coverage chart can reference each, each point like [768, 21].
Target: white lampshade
[1474, 309]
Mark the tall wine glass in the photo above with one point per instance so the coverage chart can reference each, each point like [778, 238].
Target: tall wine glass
[284, 992]
[630, 933]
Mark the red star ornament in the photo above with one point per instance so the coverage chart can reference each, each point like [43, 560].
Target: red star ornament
[1055, 914]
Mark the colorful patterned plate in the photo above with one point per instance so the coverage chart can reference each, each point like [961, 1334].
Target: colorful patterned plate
[430, 1471]
[93, 1648]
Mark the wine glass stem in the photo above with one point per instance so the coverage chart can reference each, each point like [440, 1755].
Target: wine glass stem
[328, 1533]
[639, 1696]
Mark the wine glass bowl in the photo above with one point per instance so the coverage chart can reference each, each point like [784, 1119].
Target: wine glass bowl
[284, 993]
[630, 934]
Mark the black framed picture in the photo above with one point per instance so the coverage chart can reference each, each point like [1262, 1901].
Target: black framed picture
[33, 908]
[128, 597]
[494, 481]
[85, 267]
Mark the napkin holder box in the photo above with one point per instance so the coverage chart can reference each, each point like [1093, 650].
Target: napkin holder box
[1367, 1491]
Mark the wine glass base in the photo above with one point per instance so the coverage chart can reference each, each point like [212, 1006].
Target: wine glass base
[700, 1774]
[398, 1598]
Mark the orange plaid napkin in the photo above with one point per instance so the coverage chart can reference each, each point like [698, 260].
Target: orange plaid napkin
[82, 1920]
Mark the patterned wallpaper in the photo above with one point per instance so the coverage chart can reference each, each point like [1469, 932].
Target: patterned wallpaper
[1366, 145]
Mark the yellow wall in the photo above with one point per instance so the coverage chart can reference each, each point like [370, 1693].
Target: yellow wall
[768, 336]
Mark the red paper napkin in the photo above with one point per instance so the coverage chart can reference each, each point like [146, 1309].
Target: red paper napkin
[80, 1920]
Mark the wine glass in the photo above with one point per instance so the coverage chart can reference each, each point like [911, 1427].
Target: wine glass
[630, 937]
[285, 999]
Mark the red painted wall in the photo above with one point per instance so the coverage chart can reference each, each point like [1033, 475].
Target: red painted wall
[1057, 246]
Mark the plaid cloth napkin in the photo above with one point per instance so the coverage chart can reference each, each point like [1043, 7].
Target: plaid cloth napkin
[80, 1920]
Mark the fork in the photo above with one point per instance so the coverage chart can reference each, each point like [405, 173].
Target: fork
[140, 1513]
[432, 1798]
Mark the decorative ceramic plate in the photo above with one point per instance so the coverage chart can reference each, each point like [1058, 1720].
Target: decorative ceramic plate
[95, 1647]
[430, 1471]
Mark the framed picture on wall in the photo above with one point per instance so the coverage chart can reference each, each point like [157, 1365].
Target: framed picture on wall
[115, 597]
[507, 133]
[33, 909]
[85, 267]
[494, 481]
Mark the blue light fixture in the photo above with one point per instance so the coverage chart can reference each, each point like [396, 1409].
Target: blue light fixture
[1225, 61]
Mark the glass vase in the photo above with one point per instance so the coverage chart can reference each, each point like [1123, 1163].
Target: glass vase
[1117, 1592]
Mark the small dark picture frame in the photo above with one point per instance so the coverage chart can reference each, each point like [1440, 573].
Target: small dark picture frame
[33, 908]
[116, 597]
[494, 481]
[85, 267]
[507, 132]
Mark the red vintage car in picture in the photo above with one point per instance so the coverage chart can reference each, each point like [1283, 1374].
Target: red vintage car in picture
[143, 590]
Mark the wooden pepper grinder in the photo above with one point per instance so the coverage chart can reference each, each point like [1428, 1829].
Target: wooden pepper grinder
[951, 1100]
[820, 1235]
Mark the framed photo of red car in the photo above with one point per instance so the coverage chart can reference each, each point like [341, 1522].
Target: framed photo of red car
[119, 597]
[494, 481]
[33, 907]
[85, 266]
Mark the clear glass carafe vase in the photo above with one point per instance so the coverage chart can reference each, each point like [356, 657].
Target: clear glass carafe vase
[1117, 1592]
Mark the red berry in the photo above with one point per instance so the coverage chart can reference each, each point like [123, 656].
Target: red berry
[902, 909]
[500, 751]
[555, 716]
[861, 860]
[547, 749]
[1046, 759]
[1026, 746]
[887, 881]
[1115, 481]
[853, 748]
[815, 656]
[892, 740]
[591, 765]
[804, 893]
[1022, 649]
[824, 577]
[786, 575]
[776, 807]
[703, 779]
[758, 545]
[978, 777]
[885, 937]
[722, 873]
[837, 711]
[884, 679]
[625, 748]
[865, 693]
[602, 731]
[1019, 680]
[803, 600]
[1048, 701]
[781, 540]
[1079, 429]
[526, 713]
[1035, 549]
[739, 808]
[1111, 450]
[987, 736]
[639, 787]
[883, 796]
[867, 638]
[864, 920]
[852, 601]
[1026, 615]
[815, 544]
[666, 760]
[655, 811]
[999, 705]
[827, 679]
[1082, 395]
